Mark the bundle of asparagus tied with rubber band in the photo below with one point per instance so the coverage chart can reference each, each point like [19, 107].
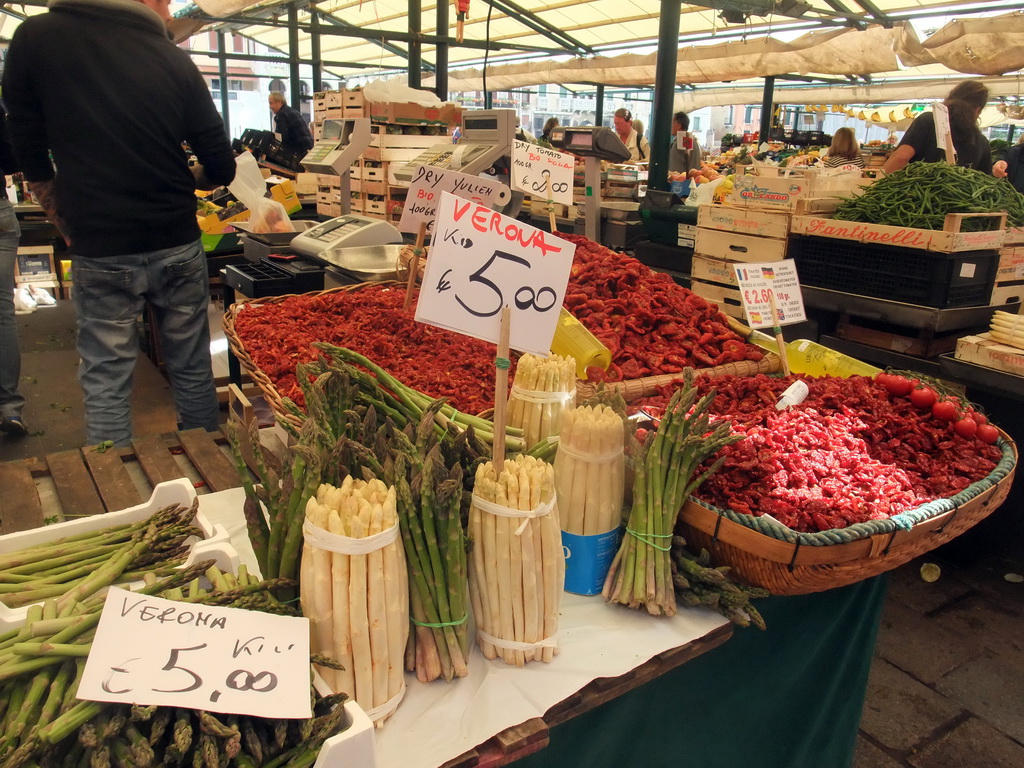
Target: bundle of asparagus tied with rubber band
[665, 465]
[544, 390]
[44, 724]
[354, 591]
[517, 569]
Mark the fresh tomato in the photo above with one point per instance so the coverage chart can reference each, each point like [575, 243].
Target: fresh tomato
[979, 418]
[944, 410]
[987, 433]
[923, 398]
[898, 385]
[965, 427]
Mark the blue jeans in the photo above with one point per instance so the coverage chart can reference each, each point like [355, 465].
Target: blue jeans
[11, 402]
[110, 295]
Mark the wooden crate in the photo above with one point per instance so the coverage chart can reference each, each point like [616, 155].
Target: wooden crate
[1011, 264]
[1006, 292]
[948, 240]
[727, 298]
[744, 221]
[709, 270]
[914, 343]
[734, 247]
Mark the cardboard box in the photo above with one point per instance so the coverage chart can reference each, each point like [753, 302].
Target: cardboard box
[285, 194]
[306, 183]
[906, 237]
[981, 350]
[744, 221]
[733, 247]
[399, 113]
[35, 265]
[784, 192]
[1011, 264]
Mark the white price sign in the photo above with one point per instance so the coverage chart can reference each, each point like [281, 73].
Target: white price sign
[542, 172]
[943, 137]
[149, 650]
[760, 282]
[427, 185]
[480, 262]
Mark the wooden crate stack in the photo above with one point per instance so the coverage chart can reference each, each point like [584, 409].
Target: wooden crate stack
[727, 235]
[1009, 284]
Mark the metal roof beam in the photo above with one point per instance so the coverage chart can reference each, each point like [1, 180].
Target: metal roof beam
[836, 5]
[875, 11]
[538, 25]
[330, 18]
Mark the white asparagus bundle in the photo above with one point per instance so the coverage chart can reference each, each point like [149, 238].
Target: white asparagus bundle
[356, 593]
[517, 569]
[543, 390]
[1008, 329]
[590, 470]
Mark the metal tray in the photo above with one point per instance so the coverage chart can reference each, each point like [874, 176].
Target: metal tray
[275, 238]
[368, 263]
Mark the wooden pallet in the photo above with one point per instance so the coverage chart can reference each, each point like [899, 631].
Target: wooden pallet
[91, 481]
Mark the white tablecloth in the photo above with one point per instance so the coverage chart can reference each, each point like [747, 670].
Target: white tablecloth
[439, 721]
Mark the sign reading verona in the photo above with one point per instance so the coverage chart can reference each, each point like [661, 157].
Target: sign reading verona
[759, 283]
[481, 261]
[149, 650]
[541, 172]
[429, 182]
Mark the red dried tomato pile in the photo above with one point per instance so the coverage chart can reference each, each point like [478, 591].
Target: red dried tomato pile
[370, 321]
[650, 324]
[850, 452]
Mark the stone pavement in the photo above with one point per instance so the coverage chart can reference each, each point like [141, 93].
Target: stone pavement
[947, 683]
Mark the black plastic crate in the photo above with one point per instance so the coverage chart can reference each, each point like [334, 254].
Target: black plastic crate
[257, 281]
[909, 275]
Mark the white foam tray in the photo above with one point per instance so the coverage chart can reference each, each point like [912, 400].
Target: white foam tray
[355, 747]
[215, 545]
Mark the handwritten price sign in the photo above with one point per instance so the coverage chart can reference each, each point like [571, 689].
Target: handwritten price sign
[759, 282]
[481, 261]
[149, 650]
[542, 172]
[425, 192]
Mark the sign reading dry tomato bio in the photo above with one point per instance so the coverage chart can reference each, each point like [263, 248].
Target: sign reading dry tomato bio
[482, 261]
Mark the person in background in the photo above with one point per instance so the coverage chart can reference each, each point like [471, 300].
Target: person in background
[549, 126]
[100, 85]
[682, 159]
[524, 135]
[639, 148]
[1010, 165]
[289, 122]
[845, 150]
[965, 103]
[11, 401]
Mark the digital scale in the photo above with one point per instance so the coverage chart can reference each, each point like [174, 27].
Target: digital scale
[593, 143]
[340, 145]
[487, 136]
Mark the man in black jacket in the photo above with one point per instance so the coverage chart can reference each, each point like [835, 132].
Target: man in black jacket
[100, 86]
[289, 122]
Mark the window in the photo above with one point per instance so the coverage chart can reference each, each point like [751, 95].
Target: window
[238, 43]
[728, 117]
[748, 114]
[695, 124]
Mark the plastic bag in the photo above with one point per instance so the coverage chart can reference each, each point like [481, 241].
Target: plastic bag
[249, 186]
[703, 194]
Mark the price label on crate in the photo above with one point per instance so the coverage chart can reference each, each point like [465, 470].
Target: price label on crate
[480, 262]
[148, 650]
[541, 172]
[428, 182]
[760, 282]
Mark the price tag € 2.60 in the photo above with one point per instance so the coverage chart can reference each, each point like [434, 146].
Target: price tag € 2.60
[480, 262]
[148, 650]
[760, 283]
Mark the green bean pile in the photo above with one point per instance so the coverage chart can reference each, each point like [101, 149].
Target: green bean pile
[921, 194]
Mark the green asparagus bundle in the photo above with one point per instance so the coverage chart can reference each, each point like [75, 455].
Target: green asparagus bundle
[665, 465]
[698, 583]
[34, 574]
[42, 723]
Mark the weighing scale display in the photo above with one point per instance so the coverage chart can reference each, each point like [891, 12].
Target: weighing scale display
[345, 231]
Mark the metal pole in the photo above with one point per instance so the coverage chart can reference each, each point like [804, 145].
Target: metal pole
[315, 54]
[766, 108]
[222, 71]
[599, 105]
[664, 94]
[293, 55]
[1009, 133]
[415, 43]
[441, 52]
[488, 100]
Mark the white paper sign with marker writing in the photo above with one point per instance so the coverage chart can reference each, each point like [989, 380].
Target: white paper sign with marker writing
[148, 650]
[943, 137]
[481, 261]
[541, 172]
[758, 282]
[429, 182]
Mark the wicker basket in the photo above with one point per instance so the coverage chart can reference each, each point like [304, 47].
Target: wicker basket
[766, 554]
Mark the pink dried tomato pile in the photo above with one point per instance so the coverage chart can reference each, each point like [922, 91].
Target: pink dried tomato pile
[370, 321]
[650, 324]
[852, 451]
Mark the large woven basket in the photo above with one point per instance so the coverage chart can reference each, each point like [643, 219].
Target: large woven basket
[766, 554]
